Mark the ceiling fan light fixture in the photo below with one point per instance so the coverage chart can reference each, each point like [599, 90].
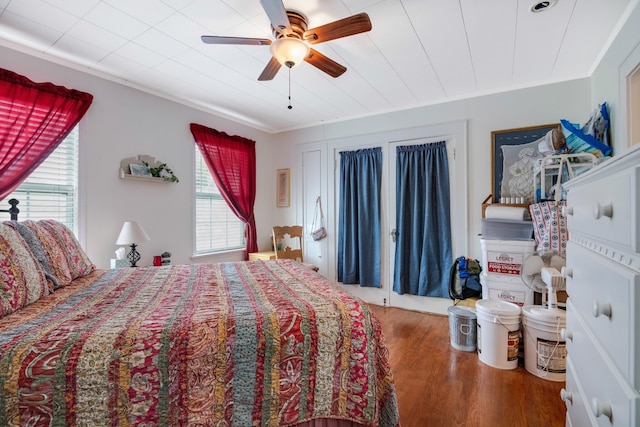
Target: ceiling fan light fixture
[289, 51]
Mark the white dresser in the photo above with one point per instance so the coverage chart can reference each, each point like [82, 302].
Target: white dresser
[603, 284]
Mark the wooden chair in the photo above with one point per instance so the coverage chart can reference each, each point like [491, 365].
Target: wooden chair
[286, 235]
[283, 237]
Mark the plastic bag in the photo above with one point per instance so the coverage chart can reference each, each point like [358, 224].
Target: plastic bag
[593, 137]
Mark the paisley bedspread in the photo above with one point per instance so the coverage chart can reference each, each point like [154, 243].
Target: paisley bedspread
[261, 343]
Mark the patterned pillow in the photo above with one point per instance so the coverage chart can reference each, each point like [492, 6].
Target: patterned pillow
[38, 252]
[66, 257]
[79, 262]
[21, 279]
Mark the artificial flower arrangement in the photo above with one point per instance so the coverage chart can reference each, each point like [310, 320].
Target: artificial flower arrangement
[161, 170]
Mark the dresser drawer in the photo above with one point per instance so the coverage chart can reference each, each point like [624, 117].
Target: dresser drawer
[597, 284]
[606, 209]
[578, 412]
[603, 387]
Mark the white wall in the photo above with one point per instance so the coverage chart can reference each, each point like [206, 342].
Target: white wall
[124, 122]
[527, 107]
[606, 84]
[573, 100]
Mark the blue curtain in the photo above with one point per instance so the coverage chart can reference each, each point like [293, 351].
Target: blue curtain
[359, 247]
[423, 221]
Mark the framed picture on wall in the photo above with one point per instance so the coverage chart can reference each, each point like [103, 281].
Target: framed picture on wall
[139, 170]
[282, 188]
[513, 156]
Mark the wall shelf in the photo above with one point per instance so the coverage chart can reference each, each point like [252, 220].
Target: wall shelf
[141, 178]
[127, 164]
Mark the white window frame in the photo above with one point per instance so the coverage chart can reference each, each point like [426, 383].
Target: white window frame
[231, 221]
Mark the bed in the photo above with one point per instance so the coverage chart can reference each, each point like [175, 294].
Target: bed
[256, 343]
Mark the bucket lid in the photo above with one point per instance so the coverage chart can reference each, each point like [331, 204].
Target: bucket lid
[544, 314]
[467, 313]
[501, 279]
[490, 306]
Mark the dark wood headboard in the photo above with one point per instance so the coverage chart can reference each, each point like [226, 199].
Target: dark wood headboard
[13, 210]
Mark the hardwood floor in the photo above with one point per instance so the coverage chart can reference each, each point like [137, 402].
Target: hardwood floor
[438, 385]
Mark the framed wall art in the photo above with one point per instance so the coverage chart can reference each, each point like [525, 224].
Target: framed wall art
[139, 169]
[513, 156]
[282, 188]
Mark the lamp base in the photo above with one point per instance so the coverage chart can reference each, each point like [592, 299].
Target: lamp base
[133, 256]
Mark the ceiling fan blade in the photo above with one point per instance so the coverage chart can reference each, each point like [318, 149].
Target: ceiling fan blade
[325, 64]
[277, 15]
[270, 70]
[234, 40]
[355, 24]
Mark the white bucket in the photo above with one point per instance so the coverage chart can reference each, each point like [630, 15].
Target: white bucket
[505, 257]
[462, 328]
[545, 352]
[506, 288]
[498, 334]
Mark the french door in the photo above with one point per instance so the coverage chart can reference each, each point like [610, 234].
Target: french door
[455, 137]
[408, 301]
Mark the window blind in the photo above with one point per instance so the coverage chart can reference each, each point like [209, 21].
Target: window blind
[51, 191]
[216, 226]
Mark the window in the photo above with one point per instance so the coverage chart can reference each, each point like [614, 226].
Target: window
[51, 191]
[217, 228]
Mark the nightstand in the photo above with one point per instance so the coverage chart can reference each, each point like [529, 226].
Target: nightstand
[253, 256]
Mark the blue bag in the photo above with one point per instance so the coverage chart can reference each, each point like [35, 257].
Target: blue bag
[593, 137]
[464, 279]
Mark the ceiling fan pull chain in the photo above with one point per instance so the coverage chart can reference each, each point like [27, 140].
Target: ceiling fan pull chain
[290, 106]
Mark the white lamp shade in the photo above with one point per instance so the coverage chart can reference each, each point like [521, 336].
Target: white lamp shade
[132, 233]
[289, 51]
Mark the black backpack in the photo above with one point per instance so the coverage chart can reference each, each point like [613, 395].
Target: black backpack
[464, 279]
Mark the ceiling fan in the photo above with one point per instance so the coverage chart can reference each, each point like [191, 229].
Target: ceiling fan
[293, 38]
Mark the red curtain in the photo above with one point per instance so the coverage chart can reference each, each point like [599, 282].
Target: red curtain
[232, 163]
[34, 119]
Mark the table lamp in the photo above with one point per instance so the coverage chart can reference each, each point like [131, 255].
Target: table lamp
[131, 233]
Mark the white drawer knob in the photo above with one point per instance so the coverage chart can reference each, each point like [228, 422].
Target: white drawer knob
[601, 309]
[567, 272]
[600, 211]
[566, 335]
[566, 396]
[567, 211]
[599, 408]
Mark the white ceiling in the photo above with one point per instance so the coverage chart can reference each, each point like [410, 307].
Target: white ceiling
[419, 52]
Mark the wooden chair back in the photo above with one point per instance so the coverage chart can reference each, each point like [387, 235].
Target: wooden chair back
[283, 237]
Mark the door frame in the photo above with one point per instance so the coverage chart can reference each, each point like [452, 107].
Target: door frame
[305, 205]
[408, 301]
[457, 131]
